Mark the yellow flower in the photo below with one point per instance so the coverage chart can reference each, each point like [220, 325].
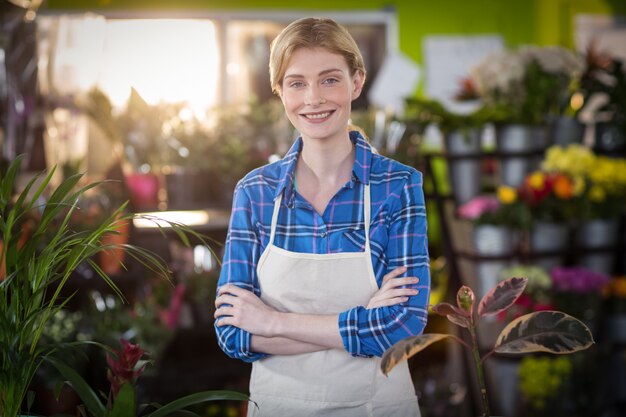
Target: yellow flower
[596, 193]
[579, 185]
[537, 180]
[506, 194]
[574, 160]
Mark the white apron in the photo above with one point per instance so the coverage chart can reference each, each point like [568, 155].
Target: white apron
[329, 383]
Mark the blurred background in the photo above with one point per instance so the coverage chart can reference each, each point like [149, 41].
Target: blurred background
[514, 111]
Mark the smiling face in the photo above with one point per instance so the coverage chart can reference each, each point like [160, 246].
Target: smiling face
[317, 91]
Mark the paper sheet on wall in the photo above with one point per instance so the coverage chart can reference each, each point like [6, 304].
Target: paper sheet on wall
[397, 79]
[608, 31]
[448, 59]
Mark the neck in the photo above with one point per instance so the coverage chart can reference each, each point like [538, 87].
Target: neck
[327, 160]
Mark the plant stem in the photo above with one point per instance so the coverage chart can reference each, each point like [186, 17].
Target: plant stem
[479, 369]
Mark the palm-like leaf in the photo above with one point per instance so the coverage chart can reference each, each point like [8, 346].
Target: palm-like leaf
[544, 331]
[37, 268]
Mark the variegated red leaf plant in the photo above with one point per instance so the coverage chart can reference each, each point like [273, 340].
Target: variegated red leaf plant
[543, 331]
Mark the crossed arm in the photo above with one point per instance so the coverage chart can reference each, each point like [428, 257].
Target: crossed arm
[280, 333]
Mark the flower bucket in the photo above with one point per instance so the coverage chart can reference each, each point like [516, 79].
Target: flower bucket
[144, 191]
[549, 237]
[567, 130]
[598, 233]
[609, 139]
[491, 240]
[514, 138]
[464, 173]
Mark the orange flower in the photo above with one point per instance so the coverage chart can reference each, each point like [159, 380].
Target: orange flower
[563, 187]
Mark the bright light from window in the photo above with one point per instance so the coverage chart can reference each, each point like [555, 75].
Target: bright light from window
[171, 60]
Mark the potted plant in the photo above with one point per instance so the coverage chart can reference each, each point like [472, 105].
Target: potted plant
[462, 140]
[598, 202]
[41, 253]
[543, 331]
[605, 76]
[496, 221]
[124, 367]
[527, 86]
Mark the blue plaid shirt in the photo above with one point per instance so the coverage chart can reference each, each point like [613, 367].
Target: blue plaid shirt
[397, 238]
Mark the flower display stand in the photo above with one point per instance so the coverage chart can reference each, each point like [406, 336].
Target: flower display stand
[566, 130]
[515, 139]
[597, 234]
[465, 175]
[549, 238]
[491, 240]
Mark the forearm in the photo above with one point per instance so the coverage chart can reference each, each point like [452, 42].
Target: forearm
[320, 330]
[282, 346]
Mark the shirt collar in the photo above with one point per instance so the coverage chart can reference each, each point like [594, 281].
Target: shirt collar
[360, 169]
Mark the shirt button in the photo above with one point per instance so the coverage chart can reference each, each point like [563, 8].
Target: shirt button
[323, 234]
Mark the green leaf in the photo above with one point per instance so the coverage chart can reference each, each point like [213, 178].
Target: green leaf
[406, 348]
[502, 296]
[196, 398]
[84, 391]
[544, 331]
[465, 300]
[125, 403]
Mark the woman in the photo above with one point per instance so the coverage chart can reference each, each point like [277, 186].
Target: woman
[326, 262]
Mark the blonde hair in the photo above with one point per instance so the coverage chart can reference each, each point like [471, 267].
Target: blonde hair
[312, 32]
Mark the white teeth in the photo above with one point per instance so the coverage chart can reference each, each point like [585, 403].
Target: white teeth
[317, 115]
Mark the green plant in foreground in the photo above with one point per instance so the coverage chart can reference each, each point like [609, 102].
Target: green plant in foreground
[38, 256]
[543, 331]
[124, 369]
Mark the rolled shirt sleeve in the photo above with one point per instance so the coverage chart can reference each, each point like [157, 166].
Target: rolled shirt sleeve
[369, 332]
[241, 254]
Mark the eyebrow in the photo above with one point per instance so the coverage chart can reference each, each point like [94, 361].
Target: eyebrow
[328, 71]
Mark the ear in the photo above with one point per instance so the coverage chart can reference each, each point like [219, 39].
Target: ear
[358, 79]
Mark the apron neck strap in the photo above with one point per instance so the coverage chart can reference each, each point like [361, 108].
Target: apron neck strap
[366, 216]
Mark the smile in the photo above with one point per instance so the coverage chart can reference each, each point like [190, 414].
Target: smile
[317, 116]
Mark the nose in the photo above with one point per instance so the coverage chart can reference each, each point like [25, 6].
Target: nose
[313, 97]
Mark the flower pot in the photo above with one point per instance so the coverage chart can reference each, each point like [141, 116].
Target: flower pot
[598, 233]
[110, 260]
[519, 138]
[144, 191]
[616, 328]
[465, 173]
[491, 240]
[549, 237]
[609, 139]
[567, 130]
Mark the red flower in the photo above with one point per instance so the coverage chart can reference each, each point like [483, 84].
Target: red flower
[122, 370]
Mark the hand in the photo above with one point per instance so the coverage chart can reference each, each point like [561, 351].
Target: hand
[243, 309]
[390, 293]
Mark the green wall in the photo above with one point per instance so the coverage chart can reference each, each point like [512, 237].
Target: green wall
[519, 21]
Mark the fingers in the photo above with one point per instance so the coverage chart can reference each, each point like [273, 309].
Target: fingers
[399, 282]
[395, 273]
[232, 289]
[225, 299]
[390, 301]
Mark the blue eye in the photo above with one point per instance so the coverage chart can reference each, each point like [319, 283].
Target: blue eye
[296, 84]
[330, 81]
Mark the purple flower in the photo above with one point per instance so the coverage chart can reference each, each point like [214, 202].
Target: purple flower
[578, 280]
